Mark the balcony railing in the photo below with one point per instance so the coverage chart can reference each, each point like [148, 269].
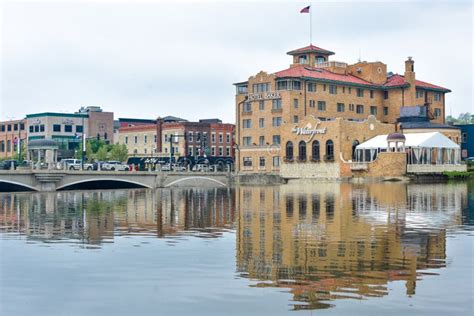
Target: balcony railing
[327, 64]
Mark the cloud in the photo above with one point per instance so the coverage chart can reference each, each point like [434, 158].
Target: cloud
[149, 58]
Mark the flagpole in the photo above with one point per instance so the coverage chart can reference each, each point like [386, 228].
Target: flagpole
[310, 23]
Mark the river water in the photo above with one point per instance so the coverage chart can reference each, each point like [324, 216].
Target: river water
[300, 249]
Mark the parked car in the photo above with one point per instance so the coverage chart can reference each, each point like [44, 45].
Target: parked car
[96, 164]
[73, 164]
[470, 159]
[115, 165]
[7, 164]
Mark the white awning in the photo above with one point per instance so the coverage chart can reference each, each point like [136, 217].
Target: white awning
[414, 140]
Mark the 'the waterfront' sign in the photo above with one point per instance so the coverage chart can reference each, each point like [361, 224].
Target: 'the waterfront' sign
[309, 130]
[263, 96]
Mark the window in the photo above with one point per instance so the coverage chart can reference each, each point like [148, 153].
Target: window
[332, 89]
[420, 94]
[198, 137]
[213, 150]
[2, 146]
[315, 150]
[302, 59]
[321, 105]
[145, 139]
[261, 162]
[242, 89]
[295, 103]
[296, 85]
[247, 123]
[276, 161]
[2, 128]
[126, 139]
[295, 118]
[56, 127]
[227, 151]
[247, 140]
[79, 129]
[340, 107]
[373, 110]
[329, 150]
[37, 128]
[311, 87]
[437, 96]
[190, 137]
[213, 137]
[276, 104]
[154, 138]
[261, 105]
[9, 127]
[289, 151]
[276, 139]
[385, 95]
[9, 145]
[136, 139]
[282, 85]
[343, 89]
[227, 138]
[68, 128]
[385, 110]
[276, 121]
[371, 94]
[320, 59]
[15, 127]
[260, 87]
[261, 140]
[350, 90]
[221, 138]
[312, 103]
[221, 151]
[464, 137]
[261, 122]
[247, 107]
[302, 151]
[437, 112]
[31, 129]
[351, 107]
[247, 161]
[324, 87]
[359, 109]
[41, 127]
[360, 92]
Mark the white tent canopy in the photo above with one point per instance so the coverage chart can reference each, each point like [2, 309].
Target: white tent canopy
[414, 140]
[421, 148]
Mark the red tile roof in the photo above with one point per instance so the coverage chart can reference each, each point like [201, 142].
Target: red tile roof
[310, 48]
[323, 74]
[399, 80]
[320, 73]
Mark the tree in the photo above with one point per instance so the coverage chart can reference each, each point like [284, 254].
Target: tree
[119, 152]
[102, 153]
[89, 152]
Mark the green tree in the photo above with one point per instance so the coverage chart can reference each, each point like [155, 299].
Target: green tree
[102, 153]
[89, 152]
[119, 152]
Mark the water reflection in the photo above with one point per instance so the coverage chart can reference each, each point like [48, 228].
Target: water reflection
[95, 217]
[335, 240]
[319, 242]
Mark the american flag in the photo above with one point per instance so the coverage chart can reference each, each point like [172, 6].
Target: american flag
[305, 9]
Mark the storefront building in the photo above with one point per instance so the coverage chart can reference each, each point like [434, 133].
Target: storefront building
[68, 129]
[12, 134]
[305, 121]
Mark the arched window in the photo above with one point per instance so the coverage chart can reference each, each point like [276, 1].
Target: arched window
[289, 151]
[302, 151]
[315, 151]
[329, 150]
[354, 145]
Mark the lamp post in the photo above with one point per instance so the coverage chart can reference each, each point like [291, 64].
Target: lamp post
[83, 150]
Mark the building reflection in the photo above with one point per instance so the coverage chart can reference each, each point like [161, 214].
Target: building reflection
[337, 240]
[96, 217]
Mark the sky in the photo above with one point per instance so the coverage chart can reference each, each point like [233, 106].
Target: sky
[146, 59]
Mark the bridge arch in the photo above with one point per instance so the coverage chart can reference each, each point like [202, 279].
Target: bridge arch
[94, 184]
[193, 179]
[12, 186]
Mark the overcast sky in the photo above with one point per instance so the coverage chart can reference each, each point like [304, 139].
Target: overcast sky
[154, 58]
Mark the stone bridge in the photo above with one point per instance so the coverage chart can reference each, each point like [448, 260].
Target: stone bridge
[48, 180]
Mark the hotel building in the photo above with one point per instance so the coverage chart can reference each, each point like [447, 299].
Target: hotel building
[306, 119]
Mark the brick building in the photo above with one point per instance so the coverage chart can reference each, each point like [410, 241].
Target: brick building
[12, 133]
[328, 95]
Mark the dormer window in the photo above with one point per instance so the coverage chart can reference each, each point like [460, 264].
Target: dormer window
[320, 59]
[303, 59]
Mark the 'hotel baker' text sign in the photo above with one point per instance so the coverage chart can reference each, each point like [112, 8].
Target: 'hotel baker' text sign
[263, 96]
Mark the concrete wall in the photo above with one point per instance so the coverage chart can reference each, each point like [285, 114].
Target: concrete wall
[435, 168]
[327, 170]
